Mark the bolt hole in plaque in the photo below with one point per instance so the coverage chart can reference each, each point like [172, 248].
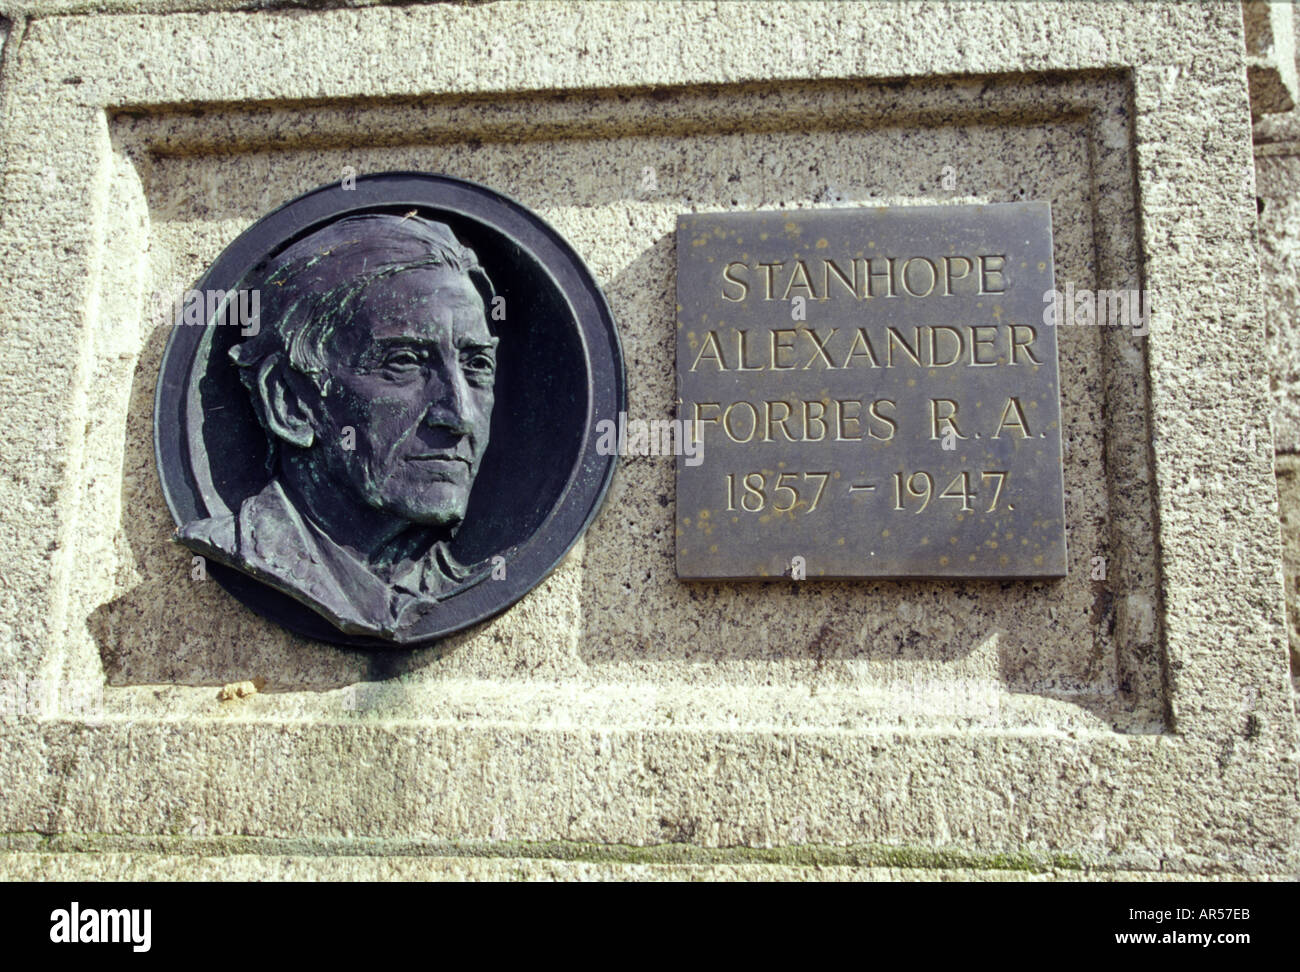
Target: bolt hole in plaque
[406, 444]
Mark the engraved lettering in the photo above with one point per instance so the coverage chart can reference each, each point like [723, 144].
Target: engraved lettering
[710, 342]
[887, 273]
[742, 348]
[949, 276]
[830, 267]
[729, 277]
[978, 342]
[875, 413]
[1018, 420]
[819, 348]
[943, 414]
[726, 421]
[699, 420]
[953, 333]
[987, 272]
[860, 340]
[778, 346]
[809, 418]
[772, 420]
[912, 352]
[799, 278]
[848, 411]
[1023, 345]
[933, 271]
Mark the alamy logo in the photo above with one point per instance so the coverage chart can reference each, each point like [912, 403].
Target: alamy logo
[1100, 307]
[656, 437]
[102, 925]
[238, 308]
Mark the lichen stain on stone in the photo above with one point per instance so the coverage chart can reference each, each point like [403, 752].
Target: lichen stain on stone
[240, 690]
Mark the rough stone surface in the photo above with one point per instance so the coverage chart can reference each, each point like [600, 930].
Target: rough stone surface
[626, 614]
[1270, 56]
[1140, 722]
[1288, 488]
[1277, 179]
[1277, 187]
[263, 867]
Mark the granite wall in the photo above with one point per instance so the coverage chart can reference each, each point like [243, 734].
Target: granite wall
[1137, 721]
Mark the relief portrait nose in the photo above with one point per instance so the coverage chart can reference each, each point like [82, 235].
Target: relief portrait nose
[448, 402]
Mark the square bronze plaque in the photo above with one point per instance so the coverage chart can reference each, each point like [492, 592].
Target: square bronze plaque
[874, 393]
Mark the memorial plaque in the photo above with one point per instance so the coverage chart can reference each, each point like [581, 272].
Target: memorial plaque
[375, 418]
[874, 393]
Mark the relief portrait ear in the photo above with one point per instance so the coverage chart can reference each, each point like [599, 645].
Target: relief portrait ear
[279, 398]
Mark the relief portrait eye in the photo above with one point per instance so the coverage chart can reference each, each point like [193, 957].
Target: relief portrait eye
[403, 359]
[332, 503]
[483, 363]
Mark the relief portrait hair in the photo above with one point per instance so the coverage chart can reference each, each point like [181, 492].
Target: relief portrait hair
[311, 288]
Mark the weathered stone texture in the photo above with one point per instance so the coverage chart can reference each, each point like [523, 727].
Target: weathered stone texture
[1137, 722]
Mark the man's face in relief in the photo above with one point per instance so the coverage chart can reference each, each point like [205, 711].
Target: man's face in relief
[412, 376]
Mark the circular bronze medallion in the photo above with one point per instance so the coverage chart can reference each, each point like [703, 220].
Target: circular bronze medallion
[376, 413]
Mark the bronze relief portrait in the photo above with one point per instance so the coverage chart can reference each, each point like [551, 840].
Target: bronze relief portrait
[423, 410]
